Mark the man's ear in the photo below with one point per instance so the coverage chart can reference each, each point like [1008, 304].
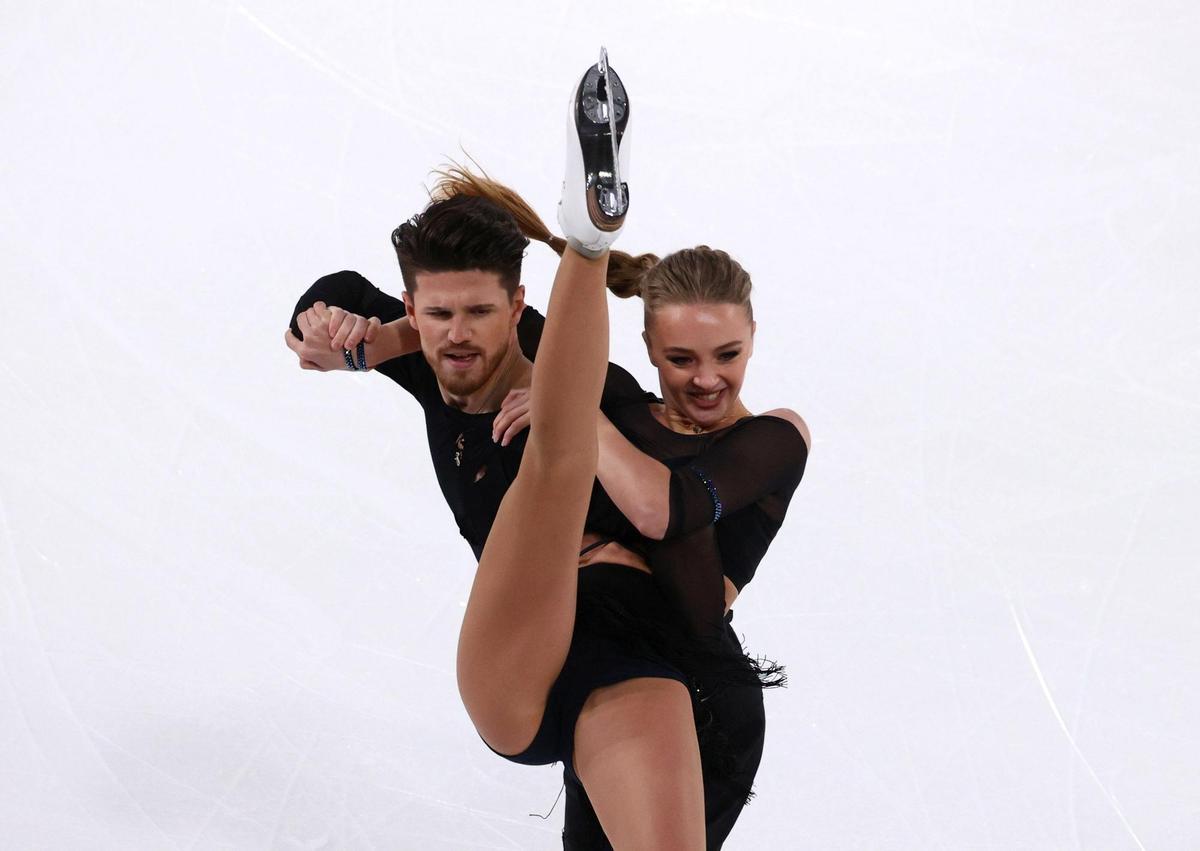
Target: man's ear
[410, 310]
[518, 304]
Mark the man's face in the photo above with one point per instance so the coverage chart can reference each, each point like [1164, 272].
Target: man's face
[467, 324]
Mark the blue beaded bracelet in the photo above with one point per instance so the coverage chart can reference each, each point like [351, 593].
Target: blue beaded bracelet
[712, 491]
[349, 360]
[362, 355]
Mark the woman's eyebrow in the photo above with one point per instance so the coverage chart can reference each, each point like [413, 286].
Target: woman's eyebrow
[682, 350]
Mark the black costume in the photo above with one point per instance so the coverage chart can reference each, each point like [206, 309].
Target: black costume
[624, 628]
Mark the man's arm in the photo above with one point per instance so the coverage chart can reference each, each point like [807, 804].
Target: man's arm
[351, 297]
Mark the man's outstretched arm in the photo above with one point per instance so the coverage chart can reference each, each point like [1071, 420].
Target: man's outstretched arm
[335, 310]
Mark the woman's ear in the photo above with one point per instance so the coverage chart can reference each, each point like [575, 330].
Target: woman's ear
[649, 349]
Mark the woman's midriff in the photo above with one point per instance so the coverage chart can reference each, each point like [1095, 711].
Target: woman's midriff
[610, 553]
[614, 553]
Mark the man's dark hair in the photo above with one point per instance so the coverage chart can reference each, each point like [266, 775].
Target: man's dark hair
[458, 234]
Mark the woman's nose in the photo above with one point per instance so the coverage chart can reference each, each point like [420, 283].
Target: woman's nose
[706, 380]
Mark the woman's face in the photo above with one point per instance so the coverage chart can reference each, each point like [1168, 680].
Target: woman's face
[700, 351]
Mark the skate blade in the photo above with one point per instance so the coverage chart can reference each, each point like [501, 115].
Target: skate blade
[601, 115]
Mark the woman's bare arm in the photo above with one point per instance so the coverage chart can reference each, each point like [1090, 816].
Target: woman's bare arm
[638, 485]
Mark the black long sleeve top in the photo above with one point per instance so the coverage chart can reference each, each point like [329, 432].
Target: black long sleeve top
[729, 489]
[472, 471]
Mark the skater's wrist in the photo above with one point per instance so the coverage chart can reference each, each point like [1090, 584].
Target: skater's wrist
[394, 339]
[355, 359]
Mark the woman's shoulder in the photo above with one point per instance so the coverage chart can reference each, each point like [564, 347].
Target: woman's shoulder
[790, 416]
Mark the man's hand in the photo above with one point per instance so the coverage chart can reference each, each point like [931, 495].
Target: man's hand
[513, 416]
[315, 350]
[327, 331]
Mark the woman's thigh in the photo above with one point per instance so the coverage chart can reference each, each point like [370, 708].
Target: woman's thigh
[637, 756]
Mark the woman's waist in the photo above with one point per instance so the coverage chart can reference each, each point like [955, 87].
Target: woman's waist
[598, 548]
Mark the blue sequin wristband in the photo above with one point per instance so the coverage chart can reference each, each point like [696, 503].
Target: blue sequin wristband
[349, 360]
[712, 491]
[362, 355]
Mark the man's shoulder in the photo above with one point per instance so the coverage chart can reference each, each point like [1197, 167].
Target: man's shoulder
[412, 372]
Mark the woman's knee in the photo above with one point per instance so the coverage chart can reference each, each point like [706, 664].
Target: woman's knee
[504, 719]
[507, 730]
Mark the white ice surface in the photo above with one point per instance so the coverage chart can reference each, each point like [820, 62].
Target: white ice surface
[229, 589]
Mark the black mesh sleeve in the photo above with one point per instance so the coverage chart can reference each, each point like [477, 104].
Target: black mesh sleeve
[688, 570]
[758, 457]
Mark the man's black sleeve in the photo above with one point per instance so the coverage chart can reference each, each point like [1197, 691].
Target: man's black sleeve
[351, 291]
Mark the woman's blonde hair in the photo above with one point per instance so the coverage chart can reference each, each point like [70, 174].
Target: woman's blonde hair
[699, 275]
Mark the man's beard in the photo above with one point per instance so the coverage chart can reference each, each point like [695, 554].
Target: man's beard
[465, 382]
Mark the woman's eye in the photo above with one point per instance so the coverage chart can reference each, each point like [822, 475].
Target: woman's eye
[728, 356]
[679, 361]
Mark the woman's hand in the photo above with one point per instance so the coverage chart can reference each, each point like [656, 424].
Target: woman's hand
[513, 416]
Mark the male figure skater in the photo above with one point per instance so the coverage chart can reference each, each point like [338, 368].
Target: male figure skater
[460, 341]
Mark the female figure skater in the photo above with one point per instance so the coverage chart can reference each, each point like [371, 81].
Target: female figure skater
[693, 468]
[626, 737]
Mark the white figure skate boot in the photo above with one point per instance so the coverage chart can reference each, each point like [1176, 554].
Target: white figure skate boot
[595, 196]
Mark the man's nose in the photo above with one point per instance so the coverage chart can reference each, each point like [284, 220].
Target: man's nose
[460, 330]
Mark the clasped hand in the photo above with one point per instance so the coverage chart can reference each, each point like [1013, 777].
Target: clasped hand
[326, 331]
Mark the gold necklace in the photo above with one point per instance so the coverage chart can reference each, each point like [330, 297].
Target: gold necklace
[695, 428]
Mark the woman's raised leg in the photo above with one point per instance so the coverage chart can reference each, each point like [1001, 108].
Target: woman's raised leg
[521, 611]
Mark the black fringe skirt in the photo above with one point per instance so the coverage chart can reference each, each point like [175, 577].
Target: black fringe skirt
[624, 628]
